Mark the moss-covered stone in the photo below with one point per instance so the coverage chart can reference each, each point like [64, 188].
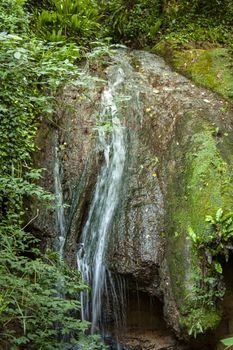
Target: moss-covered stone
[211, 67]
[200, 320]
[200, 182]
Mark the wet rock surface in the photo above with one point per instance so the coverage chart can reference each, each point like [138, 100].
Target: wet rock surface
[71, 135]
[143, 245]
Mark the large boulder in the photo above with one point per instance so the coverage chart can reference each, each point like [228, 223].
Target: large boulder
[178, 170]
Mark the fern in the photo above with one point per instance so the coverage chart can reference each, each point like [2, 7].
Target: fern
[70, 20]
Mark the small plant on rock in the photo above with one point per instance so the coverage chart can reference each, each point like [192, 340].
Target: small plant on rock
[217, 240]
[212, 248]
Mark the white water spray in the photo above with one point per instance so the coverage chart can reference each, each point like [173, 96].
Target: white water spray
[94, 239]
[60, 215]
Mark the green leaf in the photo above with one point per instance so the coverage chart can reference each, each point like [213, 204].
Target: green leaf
[227, 342]
[219, 214]
[227, 216]
[17, 55]
[192, 234]
[209, 219]
[218, 267]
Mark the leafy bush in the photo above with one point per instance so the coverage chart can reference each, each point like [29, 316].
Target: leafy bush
[124, 20]
[38, 294]
[71, 19]
[29, 70]
[144, 22]
[33, 314]
[211, 246]
[12, 17]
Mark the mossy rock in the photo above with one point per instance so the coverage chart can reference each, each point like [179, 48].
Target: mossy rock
[211, 67]
[199, 320]
[199, 173]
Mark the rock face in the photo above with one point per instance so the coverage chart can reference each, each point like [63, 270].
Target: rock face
[178, 170]
[70, 135]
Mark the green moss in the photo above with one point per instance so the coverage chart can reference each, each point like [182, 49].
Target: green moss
[208, 178]
[210, 68]
[199, 183]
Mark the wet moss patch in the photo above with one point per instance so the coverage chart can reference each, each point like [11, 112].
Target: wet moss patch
[200, 182]
[210, 67]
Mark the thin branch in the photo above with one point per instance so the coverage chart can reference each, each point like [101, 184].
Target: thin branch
[37, 214]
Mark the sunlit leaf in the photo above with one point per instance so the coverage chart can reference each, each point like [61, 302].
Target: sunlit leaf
[227, 342]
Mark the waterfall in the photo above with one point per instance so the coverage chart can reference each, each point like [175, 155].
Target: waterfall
[60, 215]
[94, 238]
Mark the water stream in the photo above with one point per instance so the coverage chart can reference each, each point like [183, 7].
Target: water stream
[94, 239]
[60, 214]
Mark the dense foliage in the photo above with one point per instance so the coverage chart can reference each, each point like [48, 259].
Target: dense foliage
[73, 19]
[34, 312]
[137, 23]
[146, 22]
[132, 22]
[12, 17]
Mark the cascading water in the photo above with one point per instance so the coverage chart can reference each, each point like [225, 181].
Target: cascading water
[60, 215]
[94, 239]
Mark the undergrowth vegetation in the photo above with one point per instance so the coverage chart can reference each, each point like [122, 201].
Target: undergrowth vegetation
[146, 22]
[73, 19]
[137, 23]
[34, 313]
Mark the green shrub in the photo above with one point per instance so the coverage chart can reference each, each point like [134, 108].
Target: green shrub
[144, 22]
[69, 20]
[29, 70]
[33, 314]
[132, 22]
[38, 294]
[216, 241]
[12, 16]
